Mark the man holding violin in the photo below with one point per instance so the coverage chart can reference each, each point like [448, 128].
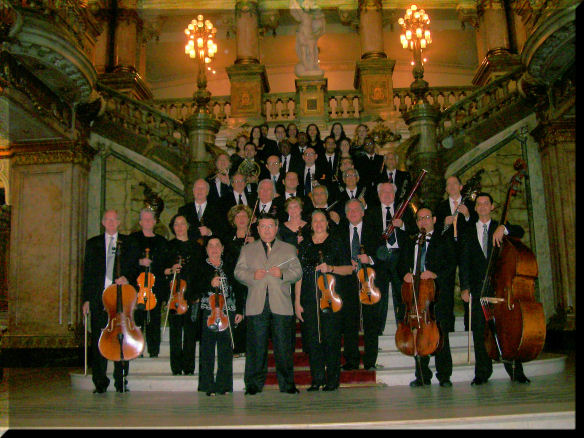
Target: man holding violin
[98, 273]
[437, 261]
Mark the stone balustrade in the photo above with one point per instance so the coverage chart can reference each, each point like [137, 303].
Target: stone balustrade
[144, 120]
[479, 105]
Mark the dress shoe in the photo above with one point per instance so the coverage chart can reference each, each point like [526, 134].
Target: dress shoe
[446, 384]
[251, 390]
[210, 393]
[349, 367]
[100, 390]
[478, 381]
[292, 390]
[370, 368]
[314, 387]
[121, 390]
[418, 382]
[330, 387]
[521, 379]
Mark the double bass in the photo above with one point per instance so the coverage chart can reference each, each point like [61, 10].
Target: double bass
[121, 339]
[418, 334]
[515, 321]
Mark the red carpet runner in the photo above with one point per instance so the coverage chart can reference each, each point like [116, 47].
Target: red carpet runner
[302, 377]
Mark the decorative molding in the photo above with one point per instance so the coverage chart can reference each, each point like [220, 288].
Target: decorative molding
[53, 152]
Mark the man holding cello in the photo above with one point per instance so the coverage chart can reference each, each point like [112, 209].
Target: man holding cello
[437, 261]
[98, 274]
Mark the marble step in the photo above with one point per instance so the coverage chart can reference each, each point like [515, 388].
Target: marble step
[546, 364]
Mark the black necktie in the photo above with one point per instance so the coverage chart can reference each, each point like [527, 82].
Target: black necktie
[391, 239]
[284, 164]
[423, 257]
[240, 200]
[390, 179]
[308, 183]
[355, 245]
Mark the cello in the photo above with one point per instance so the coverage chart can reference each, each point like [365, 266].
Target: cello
[121, 339]
[418, 334]
[515, 321]
[146, 299]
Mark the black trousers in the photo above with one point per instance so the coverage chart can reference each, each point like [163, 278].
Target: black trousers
[223, 382]
[149, 322]
[256, 358]
[370, 333]
[350, 322]
[98, 362]
[387, 274]
[324, 354]
[442, 360]
[183, 343]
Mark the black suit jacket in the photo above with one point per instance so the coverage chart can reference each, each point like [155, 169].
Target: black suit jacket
[443, 210]
[94, 267]
[212, 218]
[441, 260]
[214, 196]
[473, 263]
[320, 175]
[296, 163]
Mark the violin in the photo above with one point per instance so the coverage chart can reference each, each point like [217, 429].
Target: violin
[368, 292]
[329, 300]
[515, 321]
[418, 334]
[218, 320]
[146, 299]
[121, 339]
[178, 287]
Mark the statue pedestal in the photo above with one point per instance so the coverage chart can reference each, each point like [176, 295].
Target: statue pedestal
[311, 102]
[373, 78]
[249, 82]
[201, 129]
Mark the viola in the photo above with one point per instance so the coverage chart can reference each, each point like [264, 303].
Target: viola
[146, 299]
[218, 320]
[418, 334]
[121, 339]
[368, 292]
[515, 321]
[178, 287]
[329, 299]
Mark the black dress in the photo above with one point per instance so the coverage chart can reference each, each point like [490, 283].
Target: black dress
[183, 330]
[324, 355]
[211, 338]
[233, 245]
[150, 320]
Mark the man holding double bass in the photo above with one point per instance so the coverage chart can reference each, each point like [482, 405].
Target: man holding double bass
[98, 274]
[477, 245]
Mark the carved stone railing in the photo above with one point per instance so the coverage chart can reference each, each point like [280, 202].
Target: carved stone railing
[164, 136]
[479, 106]
[443, 97]
[280, 107]
[182, 109]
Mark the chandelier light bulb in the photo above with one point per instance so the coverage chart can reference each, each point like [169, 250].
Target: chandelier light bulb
[413, 7]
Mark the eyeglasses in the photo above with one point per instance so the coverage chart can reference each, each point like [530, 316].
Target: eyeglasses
[237, 181]
[424, 218]
[309, 154]
[274, 163]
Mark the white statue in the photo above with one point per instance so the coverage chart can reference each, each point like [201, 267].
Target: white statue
[310, 28]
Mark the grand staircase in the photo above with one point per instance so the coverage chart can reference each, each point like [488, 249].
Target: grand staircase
[393, 367]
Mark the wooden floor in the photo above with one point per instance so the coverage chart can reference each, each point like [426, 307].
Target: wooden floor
[43, 398]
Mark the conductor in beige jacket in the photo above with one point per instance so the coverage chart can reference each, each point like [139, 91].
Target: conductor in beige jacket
[268, 267]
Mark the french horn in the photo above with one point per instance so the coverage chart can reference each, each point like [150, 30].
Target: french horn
[249, 168]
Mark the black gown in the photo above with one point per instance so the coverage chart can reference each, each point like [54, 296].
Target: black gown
[324, 350]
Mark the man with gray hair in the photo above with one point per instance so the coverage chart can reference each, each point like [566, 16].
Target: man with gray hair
[391, 174]
[204, 218]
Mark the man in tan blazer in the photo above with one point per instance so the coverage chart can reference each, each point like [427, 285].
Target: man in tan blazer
[268, 267]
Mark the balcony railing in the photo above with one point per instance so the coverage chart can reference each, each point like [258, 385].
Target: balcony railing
[479, 105]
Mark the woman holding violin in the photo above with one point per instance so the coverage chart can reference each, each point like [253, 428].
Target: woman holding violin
[239, 217]
[292, 231]
[182, 257]
[317, 303]
[437, 260]
[151, 288]
[221, 309]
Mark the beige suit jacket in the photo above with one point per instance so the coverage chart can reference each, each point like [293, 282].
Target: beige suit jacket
[252, 258]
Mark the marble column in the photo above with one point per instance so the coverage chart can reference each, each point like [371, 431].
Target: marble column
[493, 43]
[248, 77]
[47, 240]
[373, 72]
[422, 120]
[557, 146]
[123, 53]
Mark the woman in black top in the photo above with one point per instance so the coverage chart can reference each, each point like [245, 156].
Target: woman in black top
[215, 275]
[238, 217]
[183, 331]
[324, 354]
[288, 231]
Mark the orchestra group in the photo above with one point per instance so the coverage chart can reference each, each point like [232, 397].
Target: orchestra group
[287, 231]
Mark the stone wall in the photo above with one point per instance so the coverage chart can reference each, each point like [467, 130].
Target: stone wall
[124, 193]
